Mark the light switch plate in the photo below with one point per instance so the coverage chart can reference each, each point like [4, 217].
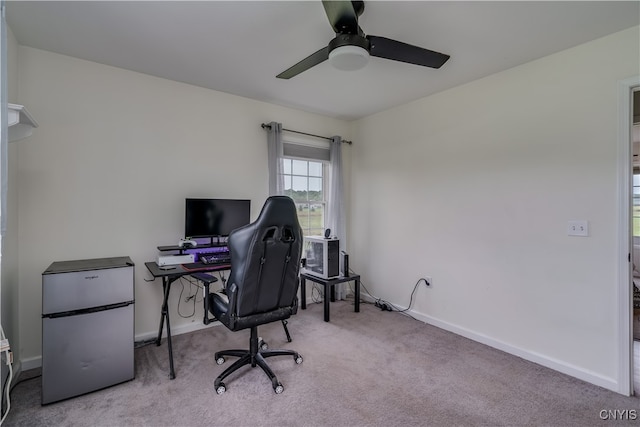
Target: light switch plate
[578, 228]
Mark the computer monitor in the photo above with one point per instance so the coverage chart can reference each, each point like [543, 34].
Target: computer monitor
[215, 217]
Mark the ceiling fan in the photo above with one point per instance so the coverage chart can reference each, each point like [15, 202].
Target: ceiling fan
[351, 48]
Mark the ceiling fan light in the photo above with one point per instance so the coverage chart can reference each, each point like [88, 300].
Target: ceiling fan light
[349, 57]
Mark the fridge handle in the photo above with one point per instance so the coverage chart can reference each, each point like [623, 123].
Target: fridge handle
[87, 310]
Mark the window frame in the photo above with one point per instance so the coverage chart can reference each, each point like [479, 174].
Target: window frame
[308, 231]
[317, 147]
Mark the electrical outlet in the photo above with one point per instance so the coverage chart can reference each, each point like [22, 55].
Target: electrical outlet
[578, 228]
[428, 281]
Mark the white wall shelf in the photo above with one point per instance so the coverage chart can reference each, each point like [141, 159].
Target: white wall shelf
[21, 124]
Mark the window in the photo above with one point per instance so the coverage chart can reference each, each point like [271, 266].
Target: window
[304, 182]
[305, 167]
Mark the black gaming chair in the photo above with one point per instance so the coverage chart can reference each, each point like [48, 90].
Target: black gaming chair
[262, 286]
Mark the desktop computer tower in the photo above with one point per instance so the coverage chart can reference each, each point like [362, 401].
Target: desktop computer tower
[322, 256]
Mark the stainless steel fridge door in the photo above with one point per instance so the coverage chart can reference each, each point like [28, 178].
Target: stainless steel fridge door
[86, 289]
[86, 352]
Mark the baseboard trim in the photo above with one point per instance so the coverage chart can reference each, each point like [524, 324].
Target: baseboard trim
[531, 356]
[31, 363]
[176, 330]
[541, 359]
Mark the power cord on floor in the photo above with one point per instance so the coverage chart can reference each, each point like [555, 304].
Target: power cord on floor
[386, 305]
[9, 382]
[21, 380]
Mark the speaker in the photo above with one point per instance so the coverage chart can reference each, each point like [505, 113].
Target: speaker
[344, 264]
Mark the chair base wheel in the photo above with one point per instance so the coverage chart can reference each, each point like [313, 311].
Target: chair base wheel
[262, 344]
[254, 357]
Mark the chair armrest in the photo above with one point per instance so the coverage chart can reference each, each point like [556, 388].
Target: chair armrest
[205, 278]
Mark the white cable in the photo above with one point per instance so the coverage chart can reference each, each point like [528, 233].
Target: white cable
[8, 360]
[8, 388]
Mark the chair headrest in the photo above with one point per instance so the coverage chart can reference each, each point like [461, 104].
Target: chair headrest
[278, 211]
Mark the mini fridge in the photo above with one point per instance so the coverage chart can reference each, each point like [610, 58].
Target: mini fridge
[87, 326]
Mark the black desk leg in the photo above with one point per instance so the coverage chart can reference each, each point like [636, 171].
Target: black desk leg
[327, 289]
[357, 301]
[163, 310]
[166, 284]
[333, 293]
[303, 293]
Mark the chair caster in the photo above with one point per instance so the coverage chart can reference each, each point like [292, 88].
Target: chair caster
[262, 345]
[299, 359]
[221, 388]
[220, 360]
[278, 388]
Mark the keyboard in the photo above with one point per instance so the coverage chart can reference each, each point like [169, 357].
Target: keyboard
[215, 258]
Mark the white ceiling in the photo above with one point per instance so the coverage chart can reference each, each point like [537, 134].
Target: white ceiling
[240, 46]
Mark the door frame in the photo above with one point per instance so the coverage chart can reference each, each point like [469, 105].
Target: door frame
[625, 247]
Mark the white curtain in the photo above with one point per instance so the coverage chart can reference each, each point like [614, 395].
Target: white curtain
[336, 220]
[335, 214]
[275, 153]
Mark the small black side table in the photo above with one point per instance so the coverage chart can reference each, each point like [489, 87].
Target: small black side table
[329, 288]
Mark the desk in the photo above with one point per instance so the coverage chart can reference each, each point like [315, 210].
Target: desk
[168, 277]
[328, 288]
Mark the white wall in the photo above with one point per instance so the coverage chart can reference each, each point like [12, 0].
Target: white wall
[107, 171]
[474, 187]
[9, 276]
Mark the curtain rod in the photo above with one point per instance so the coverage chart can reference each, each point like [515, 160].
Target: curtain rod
[267, 126]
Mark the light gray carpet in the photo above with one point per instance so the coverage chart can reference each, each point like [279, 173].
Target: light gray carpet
[370, 368]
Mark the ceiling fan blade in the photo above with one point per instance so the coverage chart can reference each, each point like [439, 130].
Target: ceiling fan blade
[383, 47]
[358, 6]
[342, 16]
[308, 62]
